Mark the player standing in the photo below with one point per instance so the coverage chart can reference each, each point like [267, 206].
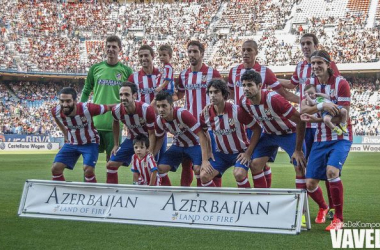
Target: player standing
[104, 79]
[75, 120]
[329, 150]
[192, 83]
[139, 119]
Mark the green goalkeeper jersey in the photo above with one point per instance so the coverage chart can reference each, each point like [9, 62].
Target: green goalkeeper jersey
[104, 81]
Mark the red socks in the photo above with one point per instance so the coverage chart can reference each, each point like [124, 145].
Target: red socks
[244, 183]
[300, 182]
[165, 181]
[90, 178]
[58, 177]
[336, 190]
[317, 196]
[112, 176]
[259, 180]
[187, 173]
[209, 184]
[218, 181]
[268, 175]
[329, 194]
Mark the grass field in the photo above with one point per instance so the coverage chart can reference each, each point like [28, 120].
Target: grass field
[361, 178]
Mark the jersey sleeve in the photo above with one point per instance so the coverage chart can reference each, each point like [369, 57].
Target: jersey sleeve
[131, 79]
[168, 75]
[202, 122]
[344, 93]
[295, 80]
[271, 80]
[96, 109]
[151, 163]
[88, 86]
[113, 112]
[189, 120]
[150, 118]
[281, 106]
[230, 81]
[245, 118]
[216, 74]
[134, 169]
[158, 128]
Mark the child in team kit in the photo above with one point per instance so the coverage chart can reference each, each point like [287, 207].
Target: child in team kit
[144, 167]
[313, 98]
[165, 81]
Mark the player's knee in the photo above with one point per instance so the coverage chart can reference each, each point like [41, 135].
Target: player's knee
[57, 168]
[113, 165]
[197, 169]
[332, 173]
[88, 171]
[240, 174]
[162, 169]
[256, 166]
[311, 184]
[205, 178]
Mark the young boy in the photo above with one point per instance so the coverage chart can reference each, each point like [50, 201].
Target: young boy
[313, 98]
[165, 80]
[144, 167]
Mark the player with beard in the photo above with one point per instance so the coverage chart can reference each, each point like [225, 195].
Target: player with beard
[75, 120]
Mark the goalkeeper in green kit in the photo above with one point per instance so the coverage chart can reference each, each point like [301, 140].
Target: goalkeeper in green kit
[104, 81]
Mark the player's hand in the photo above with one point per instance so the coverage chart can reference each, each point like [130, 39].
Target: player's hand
[244, 158]
[114, 150]
[158, 89]
[206, 167]
[299, 157]
[331, 108]
[309, 118]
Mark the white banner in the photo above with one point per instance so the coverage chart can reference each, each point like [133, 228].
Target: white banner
[13, 146]
[365, 148]
[256, 210]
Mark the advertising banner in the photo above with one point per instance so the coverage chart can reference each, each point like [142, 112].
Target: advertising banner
[13, 146]
[255, 210]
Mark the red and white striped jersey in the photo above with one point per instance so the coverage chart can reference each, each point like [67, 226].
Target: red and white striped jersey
[167, 73]
[229, 128]
[339, 91]
[80, 128]
[139, 122]
[268, 78]
[145, 167]
[273, 113]
[146, 84]
[194, 84]
[184, 128]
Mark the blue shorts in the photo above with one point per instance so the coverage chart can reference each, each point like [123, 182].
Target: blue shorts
[328, 153]
[309, 140]
[69, 154]
[269, 143]
[249, 135]
[175, 154]
[224, 161]
[125, 152]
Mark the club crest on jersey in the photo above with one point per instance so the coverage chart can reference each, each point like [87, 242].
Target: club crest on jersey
[267, 112]
[332, 92]
[142, 121]
[204, 78]
[239, 83]
[118, 76]
[231, 122]
[83, 119]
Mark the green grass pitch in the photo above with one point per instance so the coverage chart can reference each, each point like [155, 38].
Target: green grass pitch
[361, 178]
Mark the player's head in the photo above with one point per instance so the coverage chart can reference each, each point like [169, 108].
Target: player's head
[320, 63]
[249, 51]
[165, 53]
[217, 90]
[141, 145]
[113, 47]
[251, 81]
[195, 51]
[146, 55]
[68, 100]
[164, 104]
[128, 93]
[310, 90]
[309, 44]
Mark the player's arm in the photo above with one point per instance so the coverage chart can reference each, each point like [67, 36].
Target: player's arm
[88, 86]
[116, 135]
[153, 177]
[298, 154]
[326, 96]
[136, 176]
[152, 140]
[180, 87]
[158, 144]
[62, 128]
[288, 95]
[245, 157]
[286, 83]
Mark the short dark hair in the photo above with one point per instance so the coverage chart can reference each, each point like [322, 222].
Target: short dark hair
[114, 39]
[325, 55]
[163, 95]
[255, 46]
[219, 84]
[147, 47]
[68, 91]
[167, 48]
[131, 85]
[252, 75]
[309, 86]
[197, 43]
[141, 138]
[315, 39]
